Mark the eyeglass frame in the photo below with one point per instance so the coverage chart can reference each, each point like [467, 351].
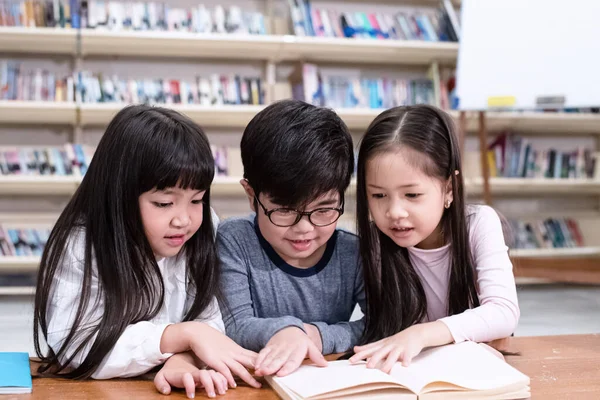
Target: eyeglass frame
[301, 214]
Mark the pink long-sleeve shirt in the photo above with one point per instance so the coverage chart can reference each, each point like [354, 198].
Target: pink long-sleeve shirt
[498, 313]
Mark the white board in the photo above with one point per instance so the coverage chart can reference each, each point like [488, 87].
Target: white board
[527, 54]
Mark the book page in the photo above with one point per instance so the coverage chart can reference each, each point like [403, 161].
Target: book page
[309, 381]
[466, 364]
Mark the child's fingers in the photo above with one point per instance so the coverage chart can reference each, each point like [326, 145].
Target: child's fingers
[207, 383]
[391, 360]
[161, 383]
[247, 359]
[223, 369]
[274, 362]
[292, 363]
[189, 385]
[407, 356]
[315, 355]
[261, 357]
[219, 383]
[243, 373]
[363, 354]
[375, 358]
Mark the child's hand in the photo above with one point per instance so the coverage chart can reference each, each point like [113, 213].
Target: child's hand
[180, 371]
[222, 354]
[285, 352]
[314, 335]
[403, 346]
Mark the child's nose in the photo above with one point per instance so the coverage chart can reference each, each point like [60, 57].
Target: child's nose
[304, 225]
[182, 220]
[397, 211]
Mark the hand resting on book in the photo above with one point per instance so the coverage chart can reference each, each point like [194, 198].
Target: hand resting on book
[403, 346]
[285, 352]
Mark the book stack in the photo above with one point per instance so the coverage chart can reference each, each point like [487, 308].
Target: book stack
[23, 242]
[16, 83]
[67, 160]
[432, 26]
[512, 156]
[309, 85]
[212, 90]
[546, 233]
[39, 13]
[129, 15]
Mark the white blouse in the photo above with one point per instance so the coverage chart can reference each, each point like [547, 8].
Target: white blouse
[138, 349]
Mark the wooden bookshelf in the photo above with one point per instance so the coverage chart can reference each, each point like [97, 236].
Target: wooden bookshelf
[227, 116]
[570, 252]
[19, 264]
[266, 47]
[180, 44]
[38, 185]
[17, 290]
[37, 112]
[48, 41]
[229, 186]
[528, 186]
[542, 123]
[367, 51]
[237, 116]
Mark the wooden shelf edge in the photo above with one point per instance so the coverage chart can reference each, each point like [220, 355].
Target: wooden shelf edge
[562, 253]
[60, 41]
[17, 290]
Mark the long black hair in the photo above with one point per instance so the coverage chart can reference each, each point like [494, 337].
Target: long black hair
[143, 148]
[395, 296]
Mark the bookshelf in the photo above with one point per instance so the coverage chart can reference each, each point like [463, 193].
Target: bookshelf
[17, 291]
[228, 116]
[47, 41]
[37, 112]
[273, 52]
[20, 264]
[224, 46]
[237, 116]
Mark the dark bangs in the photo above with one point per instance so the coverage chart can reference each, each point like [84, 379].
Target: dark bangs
[178, 156]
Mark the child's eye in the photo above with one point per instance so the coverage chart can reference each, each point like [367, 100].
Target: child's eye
[378, 195]
[413, 195]
[161, 205]
[197, 201]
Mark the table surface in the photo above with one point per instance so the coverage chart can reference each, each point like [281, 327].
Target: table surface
[560, 367]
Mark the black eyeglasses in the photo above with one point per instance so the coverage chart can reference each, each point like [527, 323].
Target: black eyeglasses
[286, 217]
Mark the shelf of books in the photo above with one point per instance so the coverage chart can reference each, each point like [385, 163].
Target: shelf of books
[17, 290]
[19, 264]
[38, 185]
[51, 41]
[569, 252]
[180, 44]
[526, 186]
[237, 116]
[37, 112]
[226, 116]
[226, 46]
[545, 123]
[407, 52]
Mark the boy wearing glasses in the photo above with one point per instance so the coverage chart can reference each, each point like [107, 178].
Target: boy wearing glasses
[290, 278]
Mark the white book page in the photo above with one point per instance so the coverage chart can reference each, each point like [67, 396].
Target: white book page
[309, 381]
[465, 364]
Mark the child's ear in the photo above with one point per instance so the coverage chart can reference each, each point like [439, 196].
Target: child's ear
[448, 196]
[249, 193]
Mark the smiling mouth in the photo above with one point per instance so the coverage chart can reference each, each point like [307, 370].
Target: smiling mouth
[402, 229]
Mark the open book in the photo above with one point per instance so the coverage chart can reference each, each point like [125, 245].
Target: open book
[456, 371]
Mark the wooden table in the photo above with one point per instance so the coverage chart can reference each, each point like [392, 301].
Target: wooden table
[560, 367]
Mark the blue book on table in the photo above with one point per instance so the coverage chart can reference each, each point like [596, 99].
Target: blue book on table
[15, 375]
